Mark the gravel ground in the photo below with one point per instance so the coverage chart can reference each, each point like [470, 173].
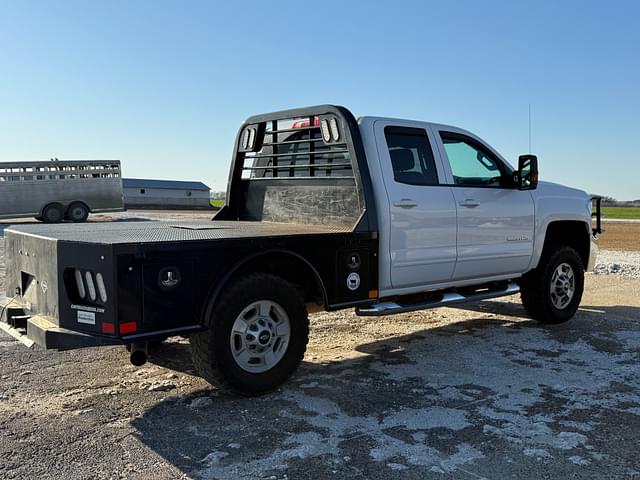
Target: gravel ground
[611, 262]
[474, 392]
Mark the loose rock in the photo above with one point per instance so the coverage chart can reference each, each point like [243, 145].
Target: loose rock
[161, 387]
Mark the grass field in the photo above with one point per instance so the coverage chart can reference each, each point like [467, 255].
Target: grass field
[621, 212]
[217, 203]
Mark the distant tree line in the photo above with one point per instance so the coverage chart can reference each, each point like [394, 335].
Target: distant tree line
[612, 202]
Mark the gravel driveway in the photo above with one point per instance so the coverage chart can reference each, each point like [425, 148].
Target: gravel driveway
[475, 392]
[615, 262]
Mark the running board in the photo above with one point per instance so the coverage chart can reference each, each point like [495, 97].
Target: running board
[441, 300]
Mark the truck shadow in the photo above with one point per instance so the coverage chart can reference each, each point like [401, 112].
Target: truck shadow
[414, 400]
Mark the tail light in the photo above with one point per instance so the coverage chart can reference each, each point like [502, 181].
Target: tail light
[82, 293]
[102, 290]
[89, 286]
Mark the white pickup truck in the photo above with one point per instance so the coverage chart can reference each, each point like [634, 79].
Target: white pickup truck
[323, 212]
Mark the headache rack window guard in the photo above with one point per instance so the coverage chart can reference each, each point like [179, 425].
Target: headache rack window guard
[296, 154]
[323, 178]
[300, 165]
[289, 130]
[281, 150]
[286, 170]
[291, 142]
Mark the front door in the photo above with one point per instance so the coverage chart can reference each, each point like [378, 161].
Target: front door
[495, 220]
[422, 240]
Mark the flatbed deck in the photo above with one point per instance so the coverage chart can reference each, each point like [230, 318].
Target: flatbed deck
[133, 232]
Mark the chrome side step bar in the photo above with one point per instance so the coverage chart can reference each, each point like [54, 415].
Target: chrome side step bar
[440, 300]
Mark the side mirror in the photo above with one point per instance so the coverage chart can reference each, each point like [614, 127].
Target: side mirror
[526, 178]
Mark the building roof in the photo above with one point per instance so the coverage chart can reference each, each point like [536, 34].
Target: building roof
[164, 184]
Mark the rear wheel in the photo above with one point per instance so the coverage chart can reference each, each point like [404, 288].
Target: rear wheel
[53, 213]
[257, 336]
[553, 291]
[77, 212]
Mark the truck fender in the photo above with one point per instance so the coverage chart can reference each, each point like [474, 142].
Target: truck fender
[218, 286]
[543, 229]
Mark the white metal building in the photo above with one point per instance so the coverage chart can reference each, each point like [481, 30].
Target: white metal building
[140, 193]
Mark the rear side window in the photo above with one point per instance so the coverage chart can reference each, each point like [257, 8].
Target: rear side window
[411, 156]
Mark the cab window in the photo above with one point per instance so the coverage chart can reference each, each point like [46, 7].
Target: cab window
[411, 156]
[472, 165]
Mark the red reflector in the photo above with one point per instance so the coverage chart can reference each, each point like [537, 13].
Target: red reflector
[305, 123]
[128, 327]
[108, 328]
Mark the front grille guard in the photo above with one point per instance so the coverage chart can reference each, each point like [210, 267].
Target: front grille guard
[597, 214]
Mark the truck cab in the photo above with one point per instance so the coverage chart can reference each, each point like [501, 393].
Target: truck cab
[450, 212]
[323, 211]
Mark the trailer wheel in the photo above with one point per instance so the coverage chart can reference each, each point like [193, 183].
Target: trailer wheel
[77, 212]
[53, 213]
[257, 336]
[552, 292]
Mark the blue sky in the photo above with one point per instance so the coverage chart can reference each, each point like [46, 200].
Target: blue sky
[164, 85]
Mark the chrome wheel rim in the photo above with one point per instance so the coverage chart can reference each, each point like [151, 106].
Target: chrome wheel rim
[260, 336]
[563, 286]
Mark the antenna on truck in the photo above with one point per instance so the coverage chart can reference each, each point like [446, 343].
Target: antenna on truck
[529, 128]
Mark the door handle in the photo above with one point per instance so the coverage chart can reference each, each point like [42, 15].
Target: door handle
[405, 203]
[469, 203]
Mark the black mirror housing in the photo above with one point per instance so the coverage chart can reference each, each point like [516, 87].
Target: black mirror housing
[526, 178]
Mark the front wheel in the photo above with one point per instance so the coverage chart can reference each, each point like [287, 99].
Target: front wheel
[257, 336]
[553, 291]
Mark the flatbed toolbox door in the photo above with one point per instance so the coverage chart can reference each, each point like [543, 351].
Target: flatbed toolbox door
[169, 295]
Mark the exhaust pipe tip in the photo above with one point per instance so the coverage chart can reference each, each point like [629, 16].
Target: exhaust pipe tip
[138, 358]
[138, 355]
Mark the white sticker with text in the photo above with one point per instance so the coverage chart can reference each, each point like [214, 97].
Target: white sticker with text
[86, 317]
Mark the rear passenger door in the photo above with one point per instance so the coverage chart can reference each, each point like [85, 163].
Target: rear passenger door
[422, 240]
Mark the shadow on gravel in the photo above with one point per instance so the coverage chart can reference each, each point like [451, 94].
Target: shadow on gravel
[477, 398]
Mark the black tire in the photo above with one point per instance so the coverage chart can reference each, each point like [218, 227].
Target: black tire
[535, 287]
[53, 213]
[77, 212]
[211, 350]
